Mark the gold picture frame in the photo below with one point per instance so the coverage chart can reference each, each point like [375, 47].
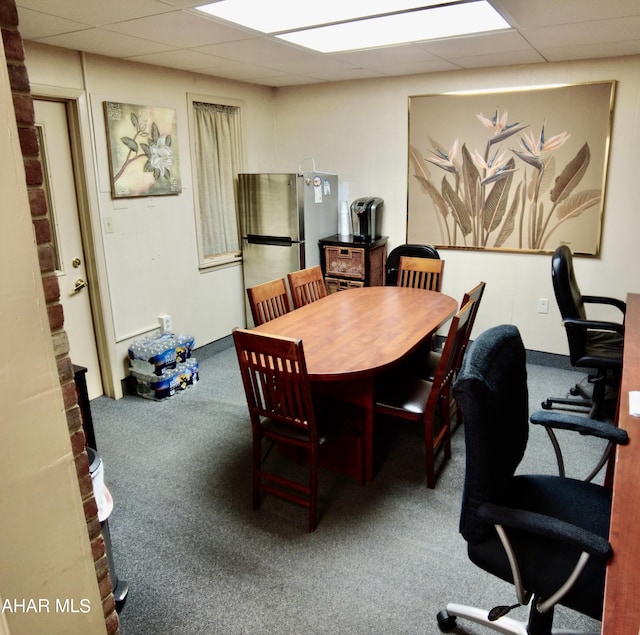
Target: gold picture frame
[143, 150]
[514, 170]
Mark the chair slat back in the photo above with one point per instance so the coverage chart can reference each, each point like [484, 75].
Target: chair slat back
[307, 286]
[268, 301]
[450, 356]
[421, 273]
[274, 375]
[475, 295]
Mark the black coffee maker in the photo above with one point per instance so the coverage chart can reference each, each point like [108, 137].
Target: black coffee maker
[366, 211]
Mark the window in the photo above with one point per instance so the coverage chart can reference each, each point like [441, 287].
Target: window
[216, 162]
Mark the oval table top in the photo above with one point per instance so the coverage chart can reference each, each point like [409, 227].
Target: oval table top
[363, 330]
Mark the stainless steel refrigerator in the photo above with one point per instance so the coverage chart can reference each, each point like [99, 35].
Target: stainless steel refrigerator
[282, 217]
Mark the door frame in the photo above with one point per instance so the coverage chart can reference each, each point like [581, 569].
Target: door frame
[79, 124]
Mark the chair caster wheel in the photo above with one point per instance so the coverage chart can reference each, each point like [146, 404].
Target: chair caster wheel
[445, 621]
[546, 405]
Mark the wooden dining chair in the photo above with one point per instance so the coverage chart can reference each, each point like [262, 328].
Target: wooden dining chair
[427, 366]
[268, 301]
[403, 394]
[476, 295]
[307, 286]
[283, 412]
[421, 273]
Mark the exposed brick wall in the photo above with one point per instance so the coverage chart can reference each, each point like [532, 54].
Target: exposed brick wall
[25, 118]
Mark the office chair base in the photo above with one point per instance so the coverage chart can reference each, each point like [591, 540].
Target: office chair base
[600, 401]
[507, 625]
[572, 403]
[582, 398]
[601, 410]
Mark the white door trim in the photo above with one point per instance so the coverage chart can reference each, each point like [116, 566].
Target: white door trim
[82, 148]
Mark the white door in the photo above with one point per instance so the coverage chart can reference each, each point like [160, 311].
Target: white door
[59, 182]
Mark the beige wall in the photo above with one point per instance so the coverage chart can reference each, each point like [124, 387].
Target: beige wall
[359, 130]
[45, 551]
[148, 266]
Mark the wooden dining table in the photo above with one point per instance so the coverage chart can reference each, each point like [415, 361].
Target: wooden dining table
[351, 336]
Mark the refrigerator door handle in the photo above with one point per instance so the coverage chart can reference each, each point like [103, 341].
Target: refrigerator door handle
[278, 241]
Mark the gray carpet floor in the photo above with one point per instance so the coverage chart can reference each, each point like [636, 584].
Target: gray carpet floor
[386, 557]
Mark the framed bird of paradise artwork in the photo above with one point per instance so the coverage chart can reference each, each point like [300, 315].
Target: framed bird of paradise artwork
[143, 150]
[518, 170]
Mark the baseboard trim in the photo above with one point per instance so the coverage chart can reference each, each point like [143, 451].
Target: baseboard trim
[540, 358]
[217, 346]
[207, 351]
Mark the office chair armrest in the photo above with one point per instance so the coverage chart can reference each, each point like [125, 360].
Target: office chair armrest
[547, 527]
[582, 425]
[598, 299]
[596, 325]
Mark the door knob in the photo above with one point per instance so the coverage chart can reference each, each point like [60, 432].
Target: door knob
[80, 284]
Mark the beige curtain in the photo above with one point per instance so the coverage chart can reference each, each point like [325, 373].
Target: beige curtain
[217, 132]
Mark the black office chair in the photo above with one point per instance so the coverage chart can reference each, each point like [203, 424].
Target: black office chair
[393, 259]
[545, 534]
[592, 344]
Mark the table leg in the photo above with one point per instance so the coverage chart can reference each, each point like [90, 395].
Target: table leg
[361, 393]
[368, 441]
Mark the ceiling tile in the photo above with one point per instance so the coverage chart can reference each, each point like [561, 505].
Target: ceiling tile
[182, 59]
[95, 41]
[591, 51]
[610, 30]
[507, 42]
[250, 50]
[290, 80]
[96, 12]
[387, 56]
[246, 72]
[531, 13]
[336, 75]
[34, 25]
[185, 4]
[180, 29]
[499, 59]
[434, 65]
[304, 66]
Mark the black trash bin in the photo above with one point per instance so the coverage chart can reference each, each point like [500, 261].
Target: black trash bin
[105, 507]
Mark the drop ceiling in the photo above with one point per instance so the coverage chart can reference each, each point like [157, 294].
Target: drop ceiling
[170, 33]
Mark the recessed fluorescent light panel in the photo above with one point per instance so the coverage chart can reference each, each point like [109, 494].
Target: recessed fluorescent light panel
[276, 16]
[338, 25]
[414, 26]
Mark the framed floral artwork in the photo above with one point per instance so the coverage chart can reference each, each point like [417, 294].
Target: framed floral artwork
[518, 170]
[143, 152]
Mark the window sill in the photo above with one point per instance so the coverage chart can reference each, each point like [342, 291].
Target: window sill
[215, 262]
